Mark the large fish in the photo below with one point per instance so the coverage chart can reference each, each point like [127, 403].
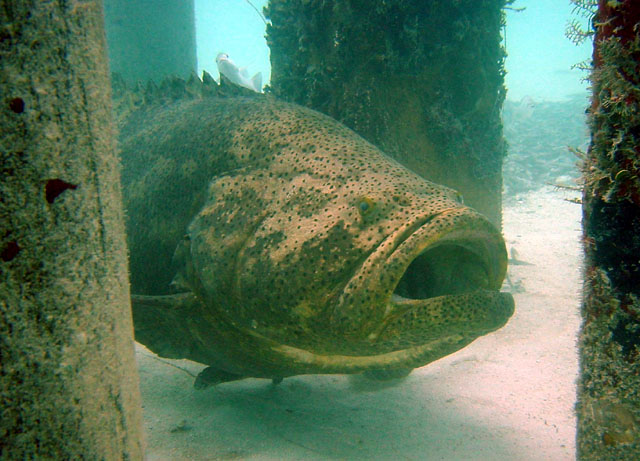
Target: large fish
[268, 240]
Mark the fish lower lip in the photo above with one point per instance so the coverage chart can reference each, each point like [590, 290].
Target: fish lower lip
[414, 321]
[397, 299]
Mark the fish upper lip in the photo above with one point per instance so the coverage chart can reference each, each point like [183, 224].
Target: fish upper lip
[401, 237]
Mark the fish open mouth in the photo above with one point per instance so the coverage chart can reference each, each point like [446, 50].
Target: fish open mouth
[448, 268]
[446, 276]
[443, 280]
[454, 252]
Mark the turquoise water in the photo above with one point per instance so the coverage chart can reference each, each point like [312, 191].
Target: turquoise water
[235, 28]
[539, 55]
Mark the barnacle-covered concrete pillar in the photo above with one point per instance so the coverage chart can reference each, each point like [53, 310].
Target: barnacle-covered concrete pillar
[68, 379]
[421, 79]
[151, 39]
[609, 392]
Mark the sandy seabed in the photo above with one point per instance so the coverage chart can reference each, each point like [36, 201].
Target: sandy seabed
[508, 396]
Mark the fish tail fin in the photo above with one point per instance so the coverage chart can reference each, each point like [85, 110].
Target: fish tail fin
[256, 81]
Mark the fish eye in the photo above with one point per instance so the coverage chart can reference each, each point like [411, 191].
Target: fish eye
[365, 205]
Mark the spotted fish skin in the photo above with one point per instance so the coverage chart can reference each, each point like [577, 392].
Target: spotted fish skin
[269, 240]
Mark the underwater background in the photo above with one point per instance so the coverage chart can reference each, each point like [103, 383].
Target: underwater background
[509, 395]
[539, 63]
[295, 293]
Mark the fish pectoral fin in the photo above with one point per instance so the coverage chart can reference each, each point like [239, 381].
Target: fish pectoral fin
[161, 323]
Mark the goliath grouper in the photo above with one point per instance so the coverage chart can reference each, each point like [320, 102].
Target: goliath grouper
[268, 240]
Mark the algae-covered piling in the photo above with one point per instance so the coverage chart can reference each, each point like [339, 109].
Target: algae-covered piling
[150, 40]
[609, 392]
[68, 380]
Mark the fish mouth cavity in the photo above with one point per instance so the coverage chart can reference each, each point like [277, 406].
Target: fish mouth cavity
[462, 259]
[446, 268]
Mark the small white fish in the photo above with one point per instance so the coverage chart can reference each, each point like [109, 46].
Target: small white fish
[238, 76]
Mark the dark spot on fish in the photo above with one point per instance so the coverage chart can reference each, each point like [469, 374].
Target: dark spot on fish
[56, 187]
[10, 251]
[17, 105]
[401, 200]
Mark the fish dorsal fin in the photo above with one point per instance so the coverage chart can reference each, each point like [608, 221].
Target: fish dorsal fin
[244, 72]
[256, 81]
